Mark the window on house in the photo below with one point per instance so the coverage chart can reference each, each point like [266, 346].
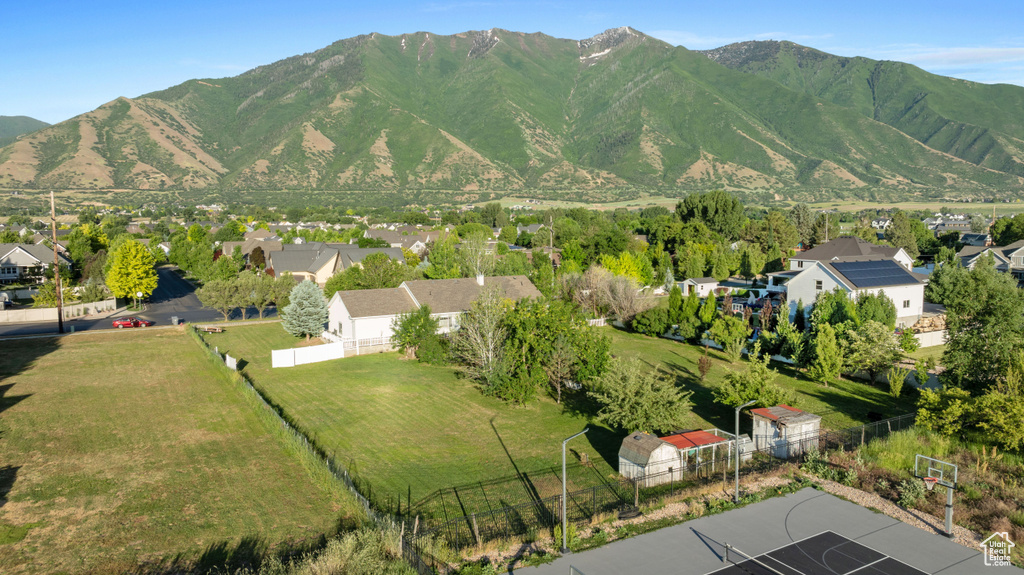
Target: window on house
[906, 304]
[817, 285]
[799, 264]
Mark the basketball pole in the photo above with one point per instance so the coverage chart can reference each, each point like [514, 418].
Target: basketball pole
[949, 511]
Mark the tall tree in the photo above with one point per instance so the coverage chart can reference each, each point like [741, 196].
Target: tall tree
[901, 234]
[803, 220]
[221, 295]
[825, 229]
[985, 323]
[751, 262]
[306, 312]
[755, 383]
[719, 210]
[131, 271]
[828, 356]
[877, 307]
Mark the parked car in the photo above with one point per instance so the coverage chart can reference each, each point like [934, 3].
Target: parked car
[123, 322]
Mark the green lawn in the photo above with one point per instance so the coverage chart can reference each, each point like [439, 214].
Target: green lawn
[132, 447]
[413, 431]
[935, 352]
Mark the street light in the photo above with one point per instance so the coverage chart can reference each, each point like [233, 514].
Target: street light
[565, 523]
[736, 438]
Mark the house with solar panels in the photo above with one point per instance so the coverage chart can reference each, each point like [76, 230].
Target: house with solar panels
[902, 286]
[854, 266]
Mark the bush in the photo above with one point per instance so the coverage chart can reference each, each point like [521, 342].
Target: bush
[573, 537]
[653, 322]
[911, 492]
[433, 350]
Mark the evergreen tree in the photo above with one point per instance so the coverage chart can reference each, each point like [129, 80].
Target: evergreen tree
[708, 311]
[306, 313]
[877, 307]
[675, 305]
[803, 221]
[901, 234]
[800, 320]
[828, 357]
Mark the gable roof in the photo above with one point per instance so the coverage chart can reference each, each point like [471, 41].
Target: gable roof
[376, 302]
[701, 280]
[260, 234]
[38, 252]
[873, 273]
[456, 295]
[847, 247]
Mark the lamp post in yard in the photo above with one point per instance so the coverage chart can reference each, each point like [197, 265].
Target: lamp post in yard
[565, 522]
[736, 438]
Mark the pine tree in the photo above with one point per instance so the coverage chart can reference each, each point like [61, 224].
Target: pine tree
[675, 306]
[307, 312]
[828, 357]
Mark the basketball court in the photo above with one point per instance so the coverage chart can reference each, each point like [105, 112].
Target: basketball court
[809, 532]
[824, 553]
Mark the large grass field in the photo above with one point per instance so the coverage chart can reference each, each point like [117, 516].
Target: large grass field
[413, 431]
[131, 448]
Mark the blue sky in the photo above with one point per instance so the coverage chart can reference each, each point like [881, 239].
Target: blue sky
[60, 59]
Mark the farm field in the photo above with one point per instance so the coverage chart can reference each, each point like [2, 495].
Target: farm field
[121, 449]
[412, 432]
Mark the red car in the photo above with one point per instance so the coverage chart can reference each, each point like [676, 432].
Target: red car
[124, 322]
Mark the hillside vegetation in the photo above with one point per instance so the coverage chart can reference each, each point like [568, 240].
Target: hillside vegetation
[511, 112]
[13, 126]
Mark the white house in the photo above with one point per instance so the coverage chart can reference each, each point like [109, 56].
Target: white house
[1009, 259]
[903, 287]
[365, 314]
[785, 431]
[703, 286]
[21, 261]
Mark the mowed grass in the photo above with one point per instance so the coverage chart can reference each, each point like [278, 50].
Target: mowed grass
[132, 447]
[412, 432]
[408, 430]
[843, 404]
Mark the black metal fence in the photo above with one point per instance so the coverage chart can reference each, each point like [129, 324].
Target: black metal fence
[582, 506]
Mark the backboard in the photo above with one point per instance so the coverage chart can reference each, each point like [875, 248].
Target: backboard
[944, 471]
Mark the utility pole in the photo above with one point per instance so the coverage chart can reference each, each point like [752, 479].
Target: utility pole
[56, 267]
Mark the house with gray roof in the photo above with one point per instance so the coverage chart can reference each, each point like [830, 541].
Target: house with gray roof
[1008, 259]
[855, 276]
[318, 261]
[849, 248]
[369, 314]
[20, 262]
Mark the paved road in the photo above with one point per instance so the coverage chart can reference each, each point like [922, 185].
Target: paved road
[173, 297]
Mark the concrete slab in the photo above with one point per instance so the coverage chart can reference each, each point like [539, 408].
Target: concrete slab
[697, 547]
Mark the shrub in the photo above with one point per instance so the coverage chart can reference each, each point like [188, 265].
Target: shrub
[704, 365]
[653, 322]
[896, 376]
[911, 492]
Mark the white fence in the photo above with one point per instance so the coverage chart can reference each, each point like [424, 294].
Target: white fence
[931, 338]
[304, 355]
[599, 322]
[71, 311]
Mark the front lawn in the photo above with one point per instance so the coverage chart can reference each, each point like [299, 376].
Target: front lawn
[420, 435]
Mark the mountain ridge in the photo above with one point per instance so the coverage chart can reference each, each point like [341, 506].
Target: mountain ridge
[509, 112]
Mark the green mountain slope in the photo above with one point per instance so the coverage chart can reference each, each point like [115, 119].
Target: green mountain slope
[13, 126]
[981, 124]
[506, 111]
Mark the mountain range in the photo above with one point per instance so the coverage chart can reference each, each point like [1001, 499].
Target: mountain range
[512, 112]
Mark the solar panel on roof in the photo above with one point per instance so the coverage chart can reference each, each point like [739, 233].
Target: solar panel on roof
[876, 273]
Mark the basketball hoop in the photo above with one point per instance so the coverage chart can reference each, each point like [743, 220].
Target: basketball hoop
[930, 482]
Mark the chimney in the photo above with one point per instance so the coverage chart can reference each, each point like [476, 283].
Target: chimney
[479, 279]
